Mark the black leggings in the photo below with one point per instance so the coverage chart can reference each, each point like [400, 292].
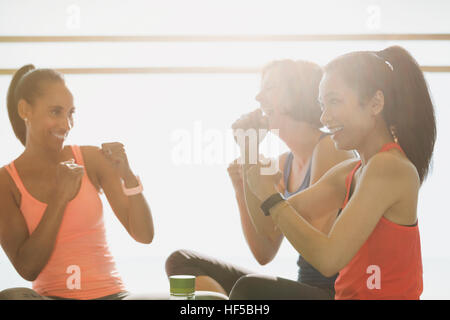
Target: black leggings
[242, 284]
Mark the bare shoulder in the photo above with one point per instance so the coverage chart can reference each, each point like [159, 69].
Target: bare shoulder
[96, 162]
[343, 168]
[8, 190]
[395, 181]
[93, 163]
[334, 179]
[93, 156]
[326, 150]
[4, 180]
[326, 157]
[393, 167]
[326, 143]
[92, 151]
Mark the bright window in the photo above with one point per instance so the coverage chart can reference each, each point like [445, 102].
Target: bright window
[193, 205]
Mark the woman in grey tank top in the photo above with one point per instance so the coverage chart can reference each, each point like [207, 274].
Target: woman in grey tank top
[288, 97]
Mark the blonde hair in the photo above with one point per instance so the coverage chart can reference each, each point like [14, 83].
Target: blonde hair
[301, 80]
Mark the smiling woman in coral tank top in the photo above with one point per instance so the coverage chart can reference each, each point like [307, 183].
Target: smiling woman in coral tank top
[378, 104]
[51, 216]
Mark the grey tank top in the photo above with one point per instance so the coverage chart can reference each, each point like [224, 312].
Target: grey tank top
[306, 272]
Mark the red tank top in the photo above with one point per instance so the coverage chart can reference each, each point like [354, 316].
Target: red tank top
[388, 265]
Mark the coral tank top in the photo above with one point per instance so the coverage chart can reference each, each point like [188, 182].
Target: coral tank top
[80, 266]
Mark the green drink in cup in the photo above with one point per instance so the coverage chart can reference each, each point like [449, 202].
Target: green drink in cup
[182, 287]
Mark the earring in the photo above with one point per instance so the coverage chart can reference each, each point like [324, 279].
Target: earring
[394, 133]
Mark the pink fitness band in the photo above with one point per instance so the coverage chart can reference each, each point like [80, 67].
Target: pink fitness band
[133, 191]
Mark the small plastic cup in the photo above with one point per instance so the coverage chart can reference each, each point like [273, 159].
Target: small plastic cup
[182, 287]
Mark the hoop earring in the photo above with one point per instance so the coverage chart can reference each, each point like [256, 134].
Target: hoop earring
[394, 133]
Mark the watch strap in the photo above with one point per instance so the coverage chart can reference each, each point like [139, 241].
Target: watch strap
[271, 202]
[133, 191]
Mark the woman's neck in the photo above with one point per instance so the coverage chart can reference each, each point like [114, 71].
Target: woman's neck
[373, 142]
[41, 157]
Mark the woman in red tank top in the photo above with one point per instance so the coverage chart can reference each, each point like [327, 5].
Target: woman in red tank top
[378, 104]
[51, 223]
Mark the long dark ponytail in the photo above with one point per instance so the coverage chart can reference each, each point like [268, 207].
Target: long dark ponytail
[27, 83]
[414, 120]
[408, 110]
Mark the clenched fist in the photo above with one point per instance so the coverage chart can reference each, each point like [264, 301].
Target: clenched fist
[68, 179]
[261, 184]
[236, 175]
[253, 120]
[115, 153]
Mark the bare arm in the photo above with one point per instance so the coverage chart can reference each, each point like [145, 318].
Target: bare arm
[325, 157]
[262, 224]
[29, 254]
[382, 176]
[132, 211]
[262, 247]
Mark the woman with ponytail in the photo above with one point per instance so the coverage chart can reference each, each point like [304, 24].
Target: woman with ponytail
[51, 220]
[378, 104]
[288, 97]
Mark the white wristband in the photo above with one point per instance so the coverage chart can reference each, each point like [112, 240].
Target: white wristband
[133, 191]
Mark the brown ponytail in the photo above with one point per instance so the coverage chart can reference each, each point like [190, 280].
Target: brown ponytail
[412, 114]
[27, 83]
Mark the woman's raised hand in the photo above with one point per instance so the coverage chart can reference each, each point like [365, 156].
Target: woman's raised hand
[261, 184]
[252, 120]
[235, 172]
[115, 153]
[68, 180]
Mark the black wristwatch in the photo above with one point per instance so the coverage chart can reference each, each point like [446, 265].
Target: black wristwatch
[271, 202]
